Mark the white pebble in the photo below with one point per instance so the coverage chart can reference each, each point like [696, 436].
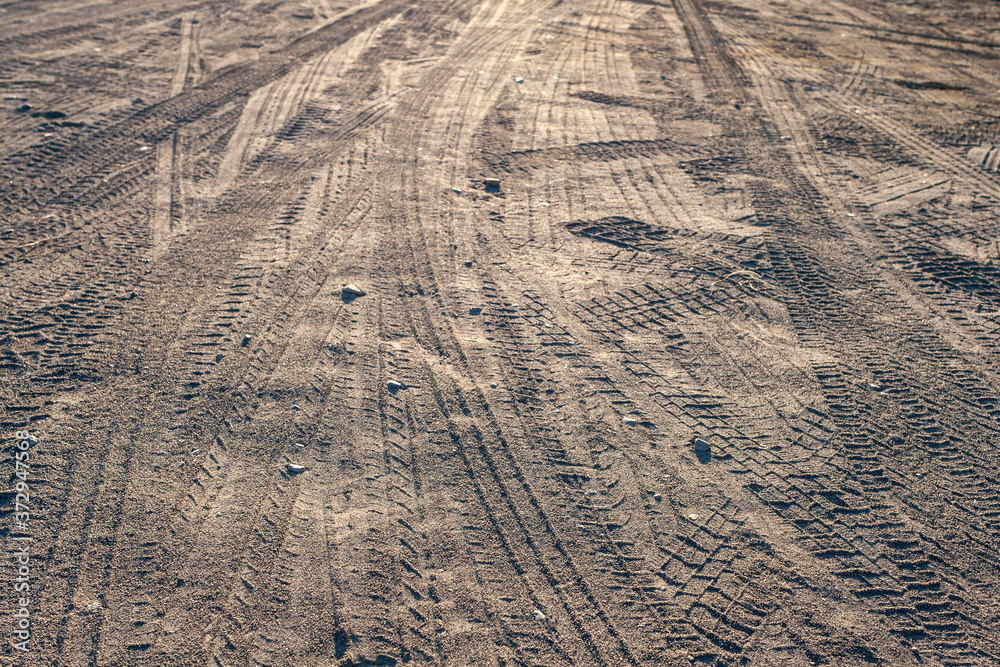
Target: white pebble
[539, 616]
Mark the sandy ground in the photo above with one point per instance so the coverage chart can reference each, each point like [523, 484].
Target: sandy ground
[771, 225]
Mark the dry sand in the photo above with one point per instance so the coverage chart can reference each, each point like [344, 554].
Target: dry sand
[770, 225]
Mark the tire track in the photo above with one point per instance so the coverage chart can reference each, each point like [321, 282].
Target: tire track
[32, 187]
[871, 475]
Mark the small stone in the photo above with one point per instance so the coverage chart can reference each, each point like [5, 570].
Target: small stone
[493, 385]
[246, 340]
[518, 79]
[492, 183]
[468, 263]
[539, 616]
[31, 440]
[300, 445]
[657, 497]
[457, 191]
[475, 311]
[295, 468]
[195, 452]
[693, 517]
[137, 100]
[701, 446]
[218, 357]
[628, 421]
[352, 290]
[296, 408]
[93, 606]
[394, 386]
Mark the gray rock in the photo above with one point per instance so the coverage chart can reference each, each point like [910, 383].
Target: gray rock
[295, 468]
[701, 446]
[352, 290]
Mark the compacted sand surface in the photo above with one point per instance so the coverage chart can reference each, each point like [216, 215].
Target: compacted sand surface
[772, 226]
